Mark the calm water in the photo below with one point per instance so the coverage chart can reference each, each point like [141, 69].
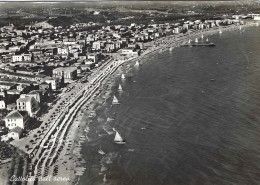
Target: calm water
[201, 111]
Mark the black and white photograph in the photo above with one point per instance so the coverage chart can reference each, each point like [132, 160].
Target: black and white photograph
[104, 92]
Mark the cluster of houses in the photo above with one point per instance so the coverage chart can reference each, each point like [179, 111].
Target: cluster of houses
[40, 58]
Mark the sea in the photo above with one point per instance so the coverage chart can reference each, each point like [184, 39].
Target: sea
[190, 116]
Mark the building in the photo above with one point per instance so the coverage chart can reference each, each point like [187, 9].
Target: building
[53, 82]
[2, 104]
[63, 51]
[16, 119]
[28, 104]
[22, 57]
[66, 73]
[15, 133]
[96, 45]
[129, 52]
[93, 57]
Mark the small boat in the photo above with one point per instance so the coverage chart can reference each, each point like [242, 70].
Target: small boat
[137, 63]
[103, 168]
[115, 100]
[110, 119]
[100, 151]
[143, 128]
[196, 40]
[212, 80]
[122, 76]
[118, 139]
[120, 87]
[105, 178]
[109, 161]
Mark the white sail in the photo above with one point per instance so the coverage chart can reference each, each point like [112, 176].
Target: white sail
[240, 28]
[100, 151]
[118, 138]
[207, 40]
[196, 40]
[115, 100]
[123, 76]
[189, 41]
[137, 63]
[120, 87]
[220, 31]
[202, 36]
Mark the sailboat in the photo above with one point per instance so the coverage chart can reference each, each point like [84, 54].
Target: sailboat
[122, 76]
[105, 178]
[220, 31]
[189, 41]
[115, 100]
[240, 28]
[118, 139]
[202, 36]
[120, 87]
[100, 151]
[207, 40]
[196, 40]
[137, 63]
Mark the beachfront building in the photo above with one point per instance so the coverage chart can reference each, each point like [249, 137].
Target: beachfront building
[28, 104]
[129, 52]
[53, 82]
[68, 74]
[93, 57]
[16, 119]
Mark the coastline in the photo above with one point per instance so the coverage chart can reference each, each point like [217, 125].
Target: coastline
[167, 43]
[78, 125]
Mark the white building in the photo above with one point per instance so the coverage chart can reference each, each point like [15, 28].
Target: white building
[63, 51]
[66, 73]
[54, 82]
[16, 119]
[28, 104]
[21, 58]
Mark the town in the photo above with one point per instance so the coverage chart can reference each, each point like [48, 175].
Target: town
[43, 65]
